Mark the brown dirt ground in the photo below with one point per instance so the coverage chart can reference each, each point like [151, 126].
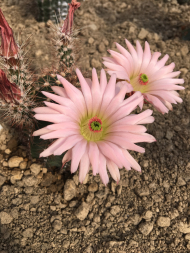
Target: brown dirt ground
[119, 215]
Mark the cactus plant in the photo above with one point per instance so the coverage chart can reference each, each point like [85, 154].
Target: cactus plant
[51, 9]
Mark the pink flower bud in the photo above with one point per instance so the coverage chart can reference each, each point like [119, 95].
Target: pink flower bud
[9, 92]
[8, 47]
[68, 22]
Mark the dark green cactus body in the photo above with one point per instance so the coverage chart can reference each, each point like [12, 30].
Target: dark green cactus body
[52, 9]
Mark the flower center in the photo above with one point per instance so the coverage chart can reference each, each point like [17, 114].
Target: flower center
[143, 79]
[92, 129]
[95, 124]
[140, 83]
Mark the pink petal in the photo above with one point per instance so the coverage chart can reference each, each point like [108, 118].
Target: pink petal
[125, 110]
[141, 104]
[68, 143]
[165, 86]
[96, 93]
[77, 152]
[102, 170]
[122, 61]
[156, 103]
[63, 126]
[58, 108]
[115, 67]
[151, 67]
[49, 151]
[109, 59]
[65, 110]
[119, 86]
[163, 94]
[131, 160]
[146, 57]
[154, 59]
[147, 120]
[137, 56]
[108, 151]
[167, 104]
[133, 137]
[84, 167]
[175, 95]
[116, 102]
[60, 91]
[60, 100]
[51, 117]
[108, 94]
[74, 94]
[132, 98]
[119, 74]
[56, 98]
[162, 62]
[44, 110]
[172, 74]
[164, 73]
[139, 52]
[127, 128]
[113, 152]
[89, 82]
[85, 90]
[128, 56]
[168, 82]
[59, 134]
[113, 169]
[124, 144]
[43, 130]
[67, 157]
[103, 81]
[135, 118]
[94, 157]
[132, 50]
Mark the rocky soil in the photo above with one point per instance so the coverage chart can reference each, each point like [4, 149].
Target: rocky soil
[43, 210]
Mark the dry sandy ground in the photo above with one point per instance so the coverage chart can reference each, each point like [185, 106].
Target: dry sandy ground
[44, 211]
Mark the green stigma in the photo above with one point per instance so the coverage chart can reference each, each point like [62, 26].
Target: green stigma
[96, 126]
[143, 79]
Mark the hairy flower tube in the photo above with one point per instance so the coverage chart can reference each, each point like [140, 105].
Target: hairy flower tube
[142, 71]
[68, 22]
[94, 126]
[8, 47]
[9, 92]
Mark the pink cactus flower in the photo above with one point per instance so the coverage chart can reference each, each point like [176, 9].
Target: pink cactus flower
[142, 71]
[9, 92]
[94, 125]
[8, 47]
[68, 22]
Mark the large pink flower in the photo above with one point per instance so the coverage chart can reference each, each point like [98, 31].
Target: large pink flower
[142, 71]
[94, 125]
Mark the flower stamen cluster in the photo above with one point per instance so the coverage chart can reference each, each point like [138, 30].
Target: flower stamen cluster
[95, 124]
[143, 79]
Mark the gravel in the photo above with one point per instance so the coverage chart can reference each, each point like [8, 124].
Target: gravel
[82, 211]
[42, 210]
[69, 190]
[5, 218]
